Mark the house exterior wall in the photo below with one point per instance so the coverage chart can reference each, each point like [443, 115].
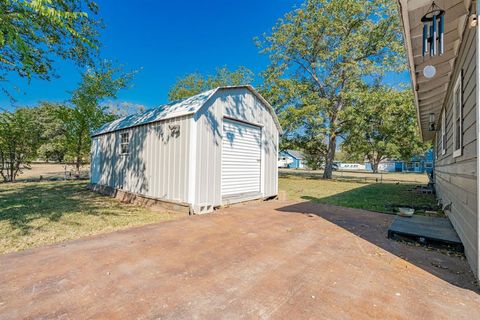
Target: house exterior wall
[295, 163]
[240, 104]
[352, 166]
[285, 155]
[386, 166]
[417, 164]
[156, 165]
[456, 177]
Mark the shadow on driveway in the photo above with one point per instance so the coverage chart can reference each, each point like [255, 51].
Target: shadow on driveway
[372, 226]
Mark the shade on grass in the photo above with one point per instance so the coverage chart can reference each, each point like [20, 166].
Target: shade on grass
[369, 196]
[34, 214]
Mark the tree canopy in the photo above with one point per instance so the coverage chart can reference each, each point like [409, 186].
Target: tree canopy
[61, 131]
[33, 32]
[52, 131]
[87, 113]
[322, 51]
[194, 83]
[19, 140]
[381, 124]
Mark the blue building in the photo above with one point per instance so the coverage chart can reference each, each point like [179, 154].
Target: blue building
[292, 159]
[418, 164]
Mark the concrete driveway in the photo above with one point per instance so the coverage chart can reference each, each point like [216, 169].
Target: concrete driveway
[273, 260]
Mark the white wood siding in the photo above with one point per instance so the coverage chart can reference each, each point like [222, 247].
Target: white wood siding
[456, 178]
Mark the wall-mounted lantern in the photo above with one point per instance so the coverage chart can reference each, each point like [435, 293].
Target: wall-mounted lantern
[472, 20]
[433, 31]
[431, 122]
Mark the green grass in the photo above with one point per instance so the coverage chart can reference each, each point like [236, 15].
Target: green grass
[34, 214]
[369, 196]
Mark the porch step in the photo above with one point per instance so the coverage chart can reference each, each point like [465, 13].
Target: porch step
[434, 231]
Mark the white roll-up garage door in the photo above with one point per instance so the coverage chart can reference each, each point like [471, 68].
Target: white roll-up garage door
[241, 159]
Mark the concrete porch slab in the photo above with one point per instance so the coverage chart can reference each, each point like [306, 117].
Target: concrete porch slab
[429, 230]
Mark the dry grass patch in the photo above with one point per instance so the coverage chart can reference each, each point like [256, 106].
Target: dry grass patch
[35, 214]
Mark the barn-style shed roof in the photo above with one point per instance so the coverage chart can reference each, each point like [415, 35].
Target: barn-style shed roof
[175, 109]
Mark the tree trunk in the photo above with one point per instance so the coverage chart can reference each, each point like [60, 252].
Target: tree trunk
[78, 163]
[332, 145]
[376, 162]
[332, 142]
[78, 160]
[2, 169]
[12, 167]
[375, 166]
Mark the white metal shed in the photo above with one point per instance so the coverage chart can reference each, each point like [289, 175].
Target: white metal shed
[212, 149]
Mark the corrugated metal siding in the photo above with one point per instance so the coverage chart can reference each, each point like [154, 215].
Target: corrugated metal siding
[157, 162]
[208, 166]
[241, 104]
[456, 178]
[241, 158]
[163, 166]
[95, 162]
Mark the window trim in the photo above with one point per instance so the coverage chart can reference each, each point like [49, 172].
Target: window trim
[457, 86]
[123, 143]
[443, 138]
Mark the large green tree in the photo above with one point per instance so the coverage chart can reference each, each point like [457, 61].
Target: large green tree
[33, 32]
[19, 140]
[52, 131]
[194, 83]
[87, 112]
[322, 51]
[382, 124]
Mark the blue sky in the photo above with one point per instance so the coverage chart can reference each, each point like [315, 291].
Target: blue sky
[166, 40]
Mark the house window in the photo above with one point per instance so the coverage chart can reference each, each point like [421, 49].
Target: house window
[124, 140]
[457, 117]
[443, 138]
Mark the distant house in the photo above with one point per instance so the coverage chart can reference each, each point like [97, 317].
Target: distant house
[292, 159]
[418, 164]
[351, 166]
[284, 161]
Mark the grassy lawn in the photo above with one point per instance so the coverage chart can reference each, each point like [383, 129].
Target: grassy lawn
[362, 176]
[34, 214]
[363, 195]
